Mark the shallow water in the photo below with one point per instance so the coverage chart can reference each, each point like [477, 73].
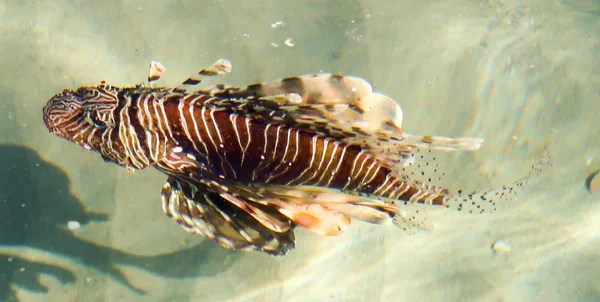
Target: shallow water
[521, 75]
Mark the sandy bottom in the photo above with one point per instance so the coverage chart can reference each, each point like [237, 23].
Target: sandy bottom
[521, 76]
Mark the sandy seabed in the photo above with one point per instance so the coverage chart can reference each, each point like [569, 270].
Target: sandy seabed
[520, 75]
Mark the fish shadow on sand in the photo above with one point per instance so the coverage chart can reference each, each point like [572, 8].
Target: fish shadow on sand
[35, 207]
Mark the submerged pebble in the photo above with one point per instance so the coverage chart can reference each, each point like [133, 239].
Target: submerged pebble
[592, 183]
[501, 247]
[73, 225]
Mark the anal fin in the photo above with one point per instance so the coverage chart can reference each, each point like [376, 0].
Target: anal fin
[410, 217]
[312, 216]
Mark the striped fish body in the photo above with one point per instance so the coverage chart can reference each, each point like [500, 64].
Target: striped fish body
[237, 146]
[180, 133]
[246, 166]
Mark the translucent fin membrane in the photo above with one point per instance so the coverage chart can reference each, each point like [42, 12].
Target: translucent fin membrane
[491, 200]
[423, 166]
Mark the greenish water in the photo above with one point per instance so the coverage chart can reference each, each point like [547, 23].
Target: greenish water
[520, 74]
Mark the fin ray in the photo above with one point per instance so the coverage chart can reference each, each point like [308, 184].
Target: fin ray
[219, 67]
[207, 214]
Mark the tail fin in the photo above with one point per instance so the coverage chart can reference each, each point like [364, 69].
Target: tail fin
[480, 202]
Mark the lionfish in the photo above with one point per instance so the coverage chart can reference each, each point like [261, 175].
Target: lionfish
[245, 166]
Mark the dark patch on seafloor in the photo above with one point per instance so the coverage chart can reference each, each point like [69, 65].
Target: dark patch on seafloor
[35, 207]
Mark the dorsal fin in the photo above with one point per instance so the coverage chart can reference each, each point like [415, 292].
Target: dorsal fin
[390, 145]
[321, 88]
[154, 73]
[326, 99]
[325, 89]
[220, 67]
[344, 107]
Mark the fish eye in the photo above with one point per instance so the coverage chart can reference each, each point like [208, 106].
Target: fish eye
[96, 118]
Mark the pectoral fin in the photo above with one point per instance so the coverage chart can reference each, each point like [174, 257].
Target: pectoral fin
[205, 212]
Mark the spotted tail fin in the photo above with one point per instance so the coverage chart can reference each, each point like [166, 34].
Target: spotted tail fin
[480, 202]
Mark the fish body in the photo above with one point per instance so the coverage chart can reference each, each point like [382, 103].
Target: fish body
[246, 166]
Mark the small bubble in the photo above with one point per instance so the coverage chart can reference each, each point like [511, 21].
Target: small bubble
[262, 157]
[221, 146]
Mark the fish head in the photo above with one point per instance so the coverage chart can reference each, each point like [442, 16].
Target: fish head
[86, 117]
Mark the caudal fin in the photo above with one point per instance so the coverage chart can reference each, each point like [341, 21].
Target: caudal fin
[488, 201]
